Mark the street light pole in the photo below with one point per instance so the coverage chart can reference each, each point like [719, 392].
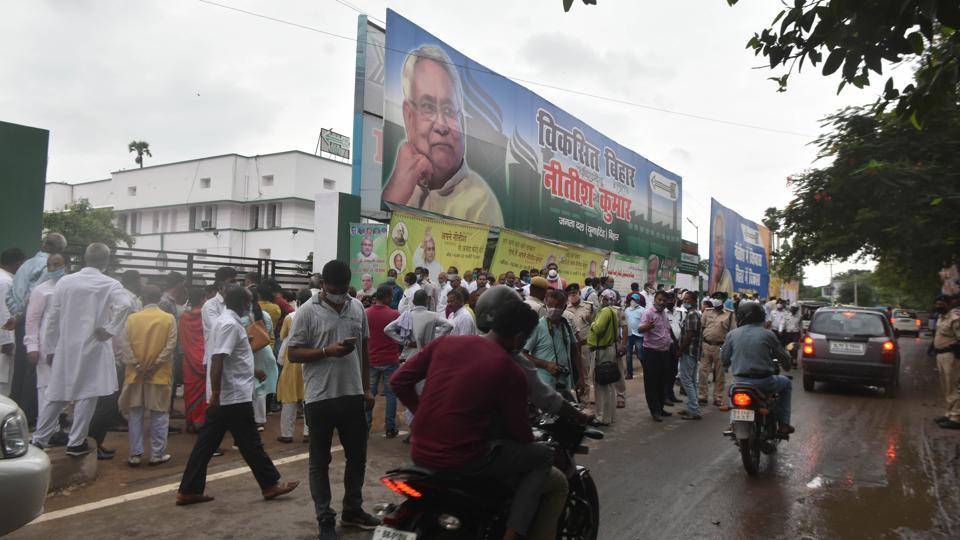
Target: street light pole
[697, 229]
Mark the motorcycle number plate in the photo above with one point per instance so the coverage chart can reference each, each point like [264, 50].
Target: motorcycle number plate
[741, 415]
[386, 533]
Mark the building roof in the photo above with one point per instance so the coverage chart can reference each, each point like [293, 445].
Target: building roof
[232, 155]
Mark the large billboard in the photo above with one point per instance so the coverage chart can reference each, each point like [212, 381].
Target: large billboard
[417, 240]
[462, 141]
[368, 253]
[738, 253]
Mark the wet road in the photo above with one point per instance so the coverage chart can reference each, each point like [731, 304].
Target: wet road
[860, 466]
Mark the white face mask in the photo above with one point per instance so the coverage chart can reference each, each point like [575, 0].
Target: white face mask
[552, 274]
[338, 299]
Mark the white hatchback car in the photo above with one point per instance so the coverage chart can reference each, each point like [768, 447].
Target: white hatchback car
[906, 322]
[24, 470]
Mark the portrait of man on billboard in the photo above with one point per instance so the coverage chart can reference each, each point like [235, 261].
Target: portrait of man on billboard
[720, 278]
[366, 253]
[430, 172]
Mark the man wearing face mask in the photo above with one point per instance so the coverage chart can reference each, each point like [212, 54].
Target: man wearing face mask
[552, 347]
[789, 327]
[397, 289]
[329, 337]
[554, 279]
[775, 318]
[716, 324]
[35, 327]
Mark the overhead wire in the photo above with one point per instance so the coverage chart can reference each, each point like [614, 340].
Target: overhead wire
[512, 78]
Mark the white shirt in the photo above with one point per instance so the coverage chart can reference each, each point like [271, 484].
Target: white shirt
[209, 313]
[407, 301]
[83, 366]
[470, 285]
[6, 281]
[35, 327]
[776, 319]
[442, 300]
[463, 324]
[229, 337]
[676, 320]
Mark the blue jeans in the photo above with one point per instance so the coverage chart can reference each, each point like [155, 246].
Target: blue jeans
[634, 346]
[778, 384]
[378, 375]
[688, 381]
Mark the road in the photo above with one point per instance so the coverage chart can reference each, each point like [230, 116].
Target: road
[861, 465]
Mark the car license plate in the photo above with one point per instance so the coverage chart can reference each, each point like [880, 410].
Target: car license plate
[842, 347]
[386, 533]
[741, 415]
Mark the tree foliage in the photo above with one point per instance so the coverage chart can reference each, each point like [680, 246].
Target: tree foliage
[892, 194]
[568, 3]
[854, 37]
[141, 148]
[82, 225]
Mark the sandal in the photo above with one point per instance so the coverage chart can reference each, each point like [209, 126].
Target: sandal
[621, 403]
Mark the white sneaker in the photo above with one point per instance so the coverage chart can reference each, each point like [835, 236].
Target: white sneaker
[159, 460]
[133, 461]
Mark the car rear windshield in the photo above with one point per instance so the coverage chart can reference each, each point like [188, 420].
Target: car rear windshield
[848, 324]
[903, 314]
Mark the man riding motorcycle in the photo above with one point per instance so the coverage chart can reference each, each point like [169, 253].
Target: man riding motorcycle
[750, 350]
[471, 416]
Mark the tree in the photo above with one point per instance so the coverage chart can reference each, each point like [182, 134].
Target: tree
[856, 37]
[82, 225]
[568, 3]
[892, 194]
[141, 148]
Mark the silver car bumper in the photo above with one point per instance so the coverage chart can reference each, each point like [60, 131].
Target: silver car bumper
[23, 488]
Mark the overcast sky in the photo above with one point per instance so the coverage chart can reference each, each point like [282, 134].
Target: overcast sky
[196, 80]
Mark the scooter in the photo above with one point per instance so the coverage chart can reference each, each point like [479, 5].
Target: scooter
[447, 506]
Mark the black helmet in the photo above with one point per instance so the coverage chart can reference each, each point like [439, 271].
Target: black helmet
[750, 313]
[488, 303]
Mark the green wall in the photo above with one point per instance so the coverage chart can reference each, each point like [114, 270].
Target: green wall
[23, 174]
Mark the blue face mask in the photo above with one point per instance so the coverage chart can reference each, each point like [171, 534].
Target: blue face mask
[688, 306]
[57, 274]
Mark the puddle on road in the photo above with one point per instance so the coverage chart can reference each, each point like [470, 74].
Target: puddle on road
[905, 506]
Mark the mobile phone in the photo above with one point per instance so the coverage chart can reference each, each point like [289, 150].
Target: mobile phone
[349, 341]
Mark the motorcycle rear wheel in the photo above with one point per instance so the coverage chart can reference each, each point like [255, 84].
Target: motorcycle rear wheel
[750, 455]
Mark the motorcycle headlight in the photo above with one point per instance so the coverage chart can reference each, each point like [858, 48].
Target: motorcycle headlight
[14, 435]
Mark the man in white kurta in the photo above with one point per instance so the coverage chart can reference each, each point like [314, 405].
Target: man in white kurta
[87, 309]
[213, 307]
[460, 317]
[35, 326]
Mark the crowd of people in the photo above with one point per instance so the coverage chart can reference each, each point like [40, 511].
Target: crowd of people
[115, 351]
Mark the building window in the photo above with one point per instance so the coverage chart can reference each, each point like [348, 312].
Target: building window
[204, 183]
[122, 222]
[135, 223]
[329, 184]
[273, 216]
[171, 225]
[132, 191]
[264, 253]
[156, 221]
[266, 180]
[209, 217]
[255, 217]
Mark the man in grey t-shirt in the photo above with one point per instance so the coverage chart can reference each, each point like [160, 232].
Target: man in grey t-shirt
[329, 337]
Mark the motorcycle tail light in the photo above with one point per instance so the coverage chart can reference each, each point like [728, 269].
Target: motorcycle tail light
[742, 399]
[401, 487]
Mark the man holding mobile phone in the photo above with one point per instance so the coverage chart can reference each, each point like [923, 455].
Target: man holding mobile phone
[329, 337]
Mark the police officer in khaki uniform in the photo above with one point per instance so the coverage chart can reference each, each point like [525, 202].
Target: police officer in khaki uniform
[579, 314]
[716, 324]
[946, 342]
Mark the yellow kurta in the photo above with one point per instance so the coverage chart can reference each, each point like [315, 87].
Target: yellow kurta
[151, 341]
[290, 385]
[273, 311]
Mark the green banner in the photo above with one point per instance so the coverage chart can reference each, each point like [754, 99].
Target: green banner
[368, 254]
[418, 240]
[516, 252]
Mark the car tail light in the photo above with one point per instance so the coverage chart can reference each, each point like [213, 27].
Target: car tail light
[808, 346]
[917, 321]
[888, 351]
[893, 320]
[401, 487]
[742, 399]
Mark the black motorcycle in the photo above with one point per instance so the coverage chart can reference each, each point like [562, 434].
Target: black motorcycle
[446, 506]
[754, 427]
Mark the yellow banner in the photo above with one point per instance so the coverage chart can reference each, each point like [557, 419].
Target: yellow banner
[581, 263]
[516, 252]
[434, 244]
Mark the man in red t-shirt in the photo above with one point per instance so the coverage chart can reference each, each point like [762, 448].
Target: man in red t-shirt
[384, 355]
[472, 414]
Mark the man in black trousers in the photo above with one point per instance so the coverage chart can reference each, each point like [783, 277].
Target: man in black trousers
[230, 382]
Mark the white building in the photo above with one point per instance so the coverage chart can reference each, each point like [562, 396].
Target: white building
[260, 206]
